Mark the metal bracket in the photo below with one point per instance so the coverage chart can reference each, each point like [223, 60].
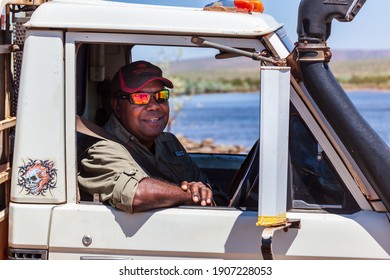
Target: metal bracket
[267, 236]
[313, 52]
[4, 3]
[9, 48]
[23, 2]
[254, 55]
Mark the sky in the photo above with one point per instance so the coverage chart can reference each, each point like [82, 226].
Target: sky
[369, 30]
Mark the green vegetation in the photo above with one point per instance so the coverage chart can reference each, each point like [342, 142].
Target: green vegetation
[250, 84]
[372, 73]
[375, 82]
[238, 76]
[206, 85]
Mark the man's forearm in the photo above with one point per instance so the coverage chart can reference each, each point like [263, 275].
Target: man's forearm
[152, 193]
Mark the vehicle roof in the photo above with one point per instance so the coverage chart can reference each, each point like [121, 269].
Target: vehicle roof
[105, 16]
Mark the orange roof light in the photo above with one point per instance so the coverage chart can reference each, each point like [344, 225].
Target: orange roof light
[258, 6]
[246, 6]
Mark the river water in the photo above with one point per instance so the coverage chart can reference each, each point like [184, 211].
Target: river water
[233, 118]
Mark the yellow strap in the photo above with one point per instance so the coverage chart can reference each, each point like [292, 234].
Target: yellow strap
[271, 221]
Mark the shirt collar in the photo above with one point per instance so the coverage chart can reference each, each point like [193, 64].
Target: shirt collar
[114, 127]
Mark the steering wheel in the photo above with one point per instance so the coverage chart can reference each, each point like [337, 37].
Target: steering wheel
[242, 190]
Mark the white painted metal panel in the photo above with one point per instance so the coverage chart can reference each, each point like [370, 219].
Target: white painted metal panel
[40, 138]
[274, 126]
[104, 15]
[29, 225]
[164, 233]
[324, 235]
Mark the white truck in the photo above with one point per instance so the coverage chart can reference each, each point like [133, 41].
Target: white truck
[314, 186]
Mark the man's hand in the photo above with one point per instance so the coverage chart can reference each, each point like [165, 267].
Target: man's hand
[152, 193]
[201, 194]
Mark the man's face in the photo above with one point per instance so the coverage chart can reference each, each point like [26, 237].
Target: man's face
[145, 122]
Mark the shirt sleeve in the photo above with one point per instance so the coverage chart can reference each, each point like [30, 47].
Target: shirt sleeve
[108, 168]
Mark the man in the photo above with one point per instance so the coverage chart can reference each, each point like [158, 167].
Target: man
[144, 168]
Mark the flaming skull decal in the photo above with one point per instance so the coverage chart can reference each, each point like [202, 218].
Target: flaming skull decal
[36, 177]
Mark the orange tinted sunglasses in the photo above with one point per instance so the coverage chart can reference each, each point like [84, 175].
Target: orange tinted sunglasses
[143, 98]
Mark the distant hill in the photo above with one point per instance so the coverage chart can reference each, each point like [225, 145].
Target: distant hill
[353, 55]
[218, 68]
[364, 64]
[345, 64]
[203, 64]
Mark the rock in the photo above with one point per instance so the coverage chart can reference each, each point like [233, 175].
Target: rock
[208, 146]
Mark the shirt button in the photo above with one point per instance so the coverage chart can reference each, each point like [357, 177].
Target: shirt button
[131, 172]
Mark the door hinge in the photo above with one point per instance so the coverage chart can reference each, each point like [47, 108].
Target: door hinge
[267, 237]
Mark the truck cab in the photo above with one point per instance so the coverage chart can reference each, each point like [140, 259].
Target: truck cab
[299, 192]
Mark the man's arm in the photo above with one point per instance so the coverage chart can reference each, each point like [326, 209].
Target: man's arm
[108, 169]
[152, 193]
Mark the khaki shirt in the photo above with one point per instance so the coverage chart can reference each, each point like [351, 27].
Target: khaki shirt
[108, 168]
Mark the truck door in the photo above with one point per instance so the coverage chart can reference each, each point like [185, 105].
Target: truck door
[84, 229]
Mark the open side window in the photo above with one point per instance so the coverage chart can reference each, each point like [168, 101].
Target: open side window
[92, 86]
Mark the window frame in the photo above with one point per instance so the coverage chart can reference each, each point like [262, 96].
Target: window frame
[74, 38]
[72, 41]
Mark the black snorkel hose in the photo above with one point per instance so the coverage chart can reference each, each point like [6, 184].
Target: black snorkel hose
[366, 147]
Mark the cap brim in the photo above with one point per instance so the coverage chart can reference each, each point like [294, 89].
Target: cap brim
[143, 81]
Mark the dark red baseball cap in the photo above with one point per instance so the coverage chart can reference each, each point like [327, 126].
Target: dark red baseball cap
[132, 77]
